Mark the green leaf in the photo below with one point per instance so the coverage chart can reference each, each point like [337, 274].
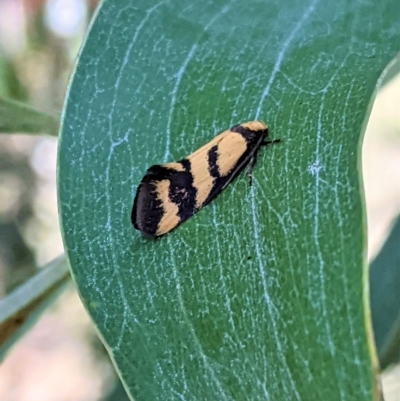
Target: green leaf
[10, 84]
[21, 308]
[384, 278]
[16, 117]
[261, 295]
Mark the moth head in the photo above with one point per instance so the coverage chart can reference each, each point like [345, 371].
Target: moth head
[255, 126]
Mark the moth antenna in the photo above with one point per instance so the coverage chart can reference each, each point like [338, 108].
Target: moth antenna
[269, 141]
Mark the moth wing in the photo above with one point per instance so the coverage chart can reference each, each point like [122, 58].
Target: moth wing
[170, 210]
[231, 150]
[212, 164]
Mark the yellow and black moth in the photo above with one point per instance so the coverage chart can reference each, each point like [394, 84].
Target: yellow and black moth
[171, 193]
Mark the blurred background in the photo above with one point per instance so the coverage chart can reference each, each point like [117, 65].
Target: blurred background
[61, 358]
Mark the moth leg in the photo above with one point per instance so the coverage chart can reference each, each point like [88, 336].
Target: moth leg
[249, 169]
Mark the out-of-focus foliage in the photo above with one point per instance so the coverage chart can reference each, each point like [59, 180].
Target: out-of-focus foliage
[20, 309]
[16, 117]
[385, 298]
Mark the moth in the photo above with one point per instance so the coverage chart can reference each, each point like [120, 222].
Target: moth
[171, 193]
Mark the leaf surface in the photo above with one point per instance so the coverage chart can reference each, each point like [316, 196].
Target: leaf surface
[261, 295]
